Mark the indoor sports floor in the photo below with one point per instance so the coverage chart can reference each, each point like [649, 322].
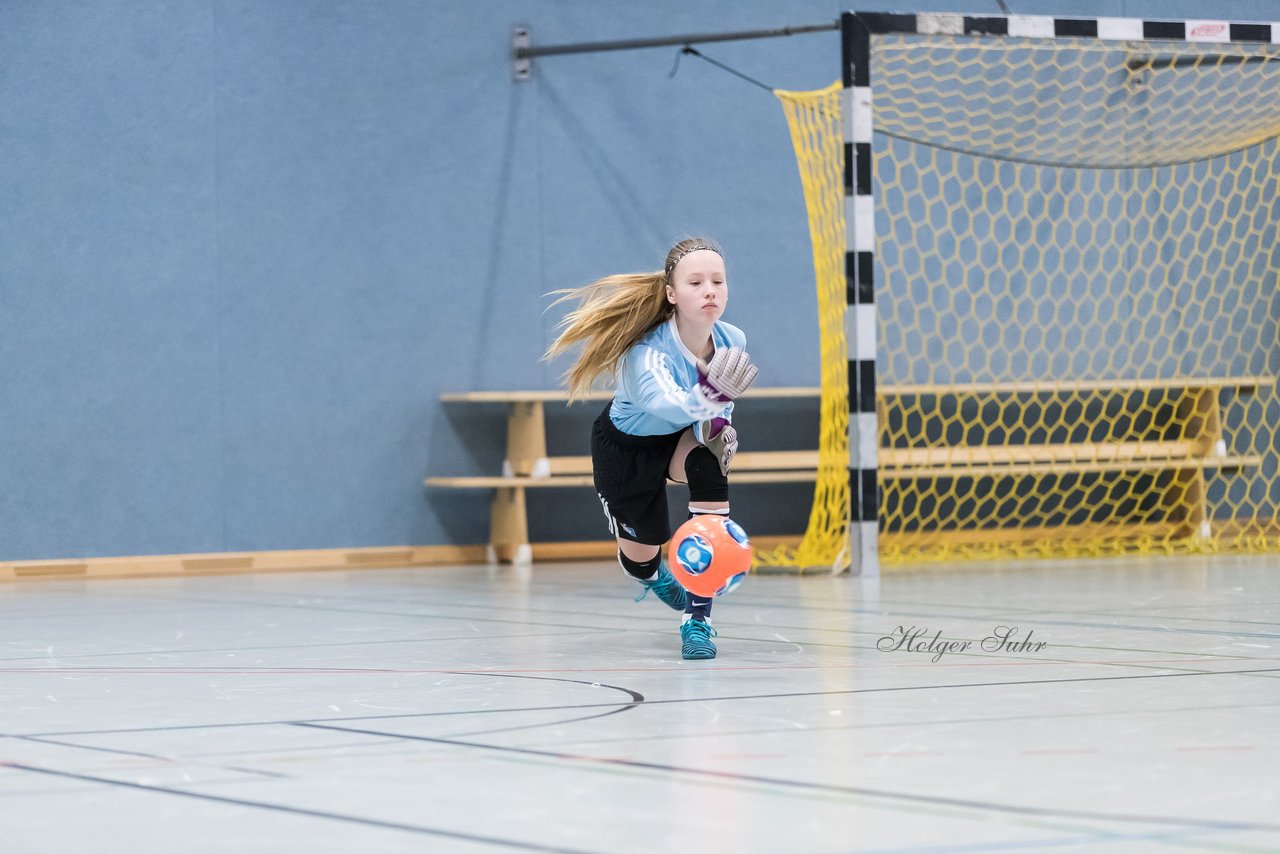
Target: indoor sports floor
[474, 708]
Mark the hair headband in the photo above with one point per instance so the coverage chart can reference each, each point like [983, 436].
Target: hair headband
[694, 247]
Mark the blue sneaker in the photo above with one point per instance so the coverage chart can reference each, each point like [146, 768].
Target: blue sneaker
[665, 587]
[697, 635]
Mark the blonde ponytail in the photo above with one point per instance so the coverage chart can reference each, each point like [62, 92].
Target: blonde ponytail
[613, 313]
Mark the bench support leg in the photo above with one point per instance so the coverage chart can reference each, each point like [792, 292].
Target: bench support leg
[1204, 425]
[509, 526]
[1186, 496]
[526, 441]
[1201, 417]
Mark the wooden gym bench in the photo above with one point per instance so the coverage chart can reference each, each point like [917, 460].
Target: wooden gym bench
[527, 465]
[1195, 404]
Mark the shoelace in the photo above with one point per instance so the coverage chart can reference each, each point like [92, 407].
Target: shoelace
[704, 628]
[653, 585]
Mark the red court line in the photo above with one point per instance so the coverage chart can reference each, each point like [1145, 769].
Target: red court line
[749, 755]
[1197, 748]
[306, 671]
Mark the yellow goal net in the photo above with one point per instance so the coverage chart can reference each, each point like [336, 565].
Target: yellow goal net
[814, 120]
[1076, 287]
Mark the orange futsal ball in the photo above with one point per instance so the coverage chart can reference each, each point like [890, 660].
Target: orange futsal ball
[709, 555]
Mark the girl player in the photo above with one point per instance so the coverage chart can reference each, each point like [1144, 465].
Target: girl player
[678, 368]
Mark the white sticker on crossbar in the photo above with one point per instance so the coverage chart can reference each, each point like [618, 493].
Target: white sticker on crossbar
[933, 24]
[1031, 26]
[1275, 33]
[866, 341]
[849, 215]
[868, 440]
[860, 114]
[1120, 28]
[860, 331]
[846, 115]
[868, 550]
[864, 223]
[1208, 31]
[851, 330]
[863, 440]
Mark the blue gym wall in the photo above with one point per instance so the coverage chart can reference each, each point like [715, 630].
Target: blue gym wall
[245, 246]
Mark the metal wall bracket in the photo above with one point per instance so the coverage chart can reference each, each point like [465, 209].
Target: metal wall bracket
[521, 66]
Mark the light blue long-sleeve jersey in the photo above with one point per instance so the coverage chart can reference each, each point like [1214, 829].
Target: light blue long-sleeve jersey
[658, 383]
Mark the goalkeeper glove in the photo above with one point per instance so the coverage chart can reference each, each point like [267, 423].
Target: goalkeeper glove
[728, 376]
[721, 440]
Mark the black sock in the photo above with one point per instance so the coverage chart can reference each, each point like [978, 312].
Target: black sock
[698, 609]
[640, 570]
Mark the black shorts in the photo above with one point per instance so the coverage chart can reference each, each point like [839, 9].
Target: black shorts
[631, 479]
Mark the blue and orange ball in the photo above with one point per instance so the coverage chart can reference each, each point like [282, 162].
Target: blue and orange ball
[709, 555]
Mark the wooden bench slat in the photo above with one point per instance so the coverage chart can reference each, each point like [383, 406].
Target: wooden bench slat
[1070, 467]
[951, 457]
[527, 464]
[1069, 452]
[810, 475]
[891, 390]
[743, 462]
[951, 389]
[553, 395]
[500, 482]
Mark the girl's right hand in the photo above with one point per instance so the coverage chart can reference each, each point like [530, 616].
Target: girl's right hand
[728, 376]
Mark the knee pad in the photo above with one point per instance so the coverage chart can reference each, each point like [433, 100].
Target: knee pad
[706, 481]
[643, 570]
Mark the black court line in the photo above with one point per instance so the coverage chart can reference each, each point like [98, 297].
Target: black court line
[1026, 618]
[636, 700]
[140, 754]
[647, 702]
[419, 615]
[1005, 613]
[929, 603]
[338, 644]
[844, 727]
[282, 808]
[804, 606]
[847, 691]
[856, 727]
[490, 607]
[809, 646]
[884, 794]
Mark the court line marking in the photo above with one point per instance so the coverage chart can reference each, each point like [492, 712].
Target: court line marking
[1174, 821]
[490, 606]
[330, 645]
[299, 811]
[1018, 610]
[913, 723]
[990, 660]
[672, 701]
[1086, 836]
[164, 759]
[637, 699]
